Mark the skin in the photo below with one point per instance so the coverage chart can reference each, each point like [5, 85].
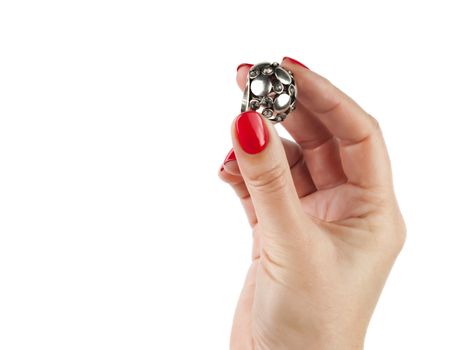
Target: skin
[326, 224]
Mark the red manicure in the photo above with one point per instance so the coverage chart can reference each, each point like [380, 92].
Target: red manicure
[243, 65]
[292, 60]
[230, 156]
[251, 132]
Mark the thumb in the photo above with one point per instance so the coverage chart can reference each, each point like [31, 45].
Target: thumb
[265, 170]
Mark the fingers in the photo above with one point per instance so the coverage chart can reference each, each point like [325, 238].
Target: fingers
[265, 170]
[341, 115]
[230, 173]
[242, 73]
[237, 183]
[320, 148]
[301, 177]
[361, 146]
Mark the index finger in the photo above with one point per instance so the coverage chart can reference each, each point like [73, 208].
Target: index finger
[362, 149]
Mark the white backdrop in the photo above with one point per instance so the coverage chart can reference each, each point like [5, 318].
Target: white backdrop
[115, 232]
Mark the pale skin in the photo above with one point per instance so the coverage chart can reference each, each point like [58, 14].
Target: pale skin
[326, 224]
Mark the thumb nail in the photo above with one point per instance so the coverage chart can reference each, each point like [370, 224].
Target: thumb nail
[251, 132]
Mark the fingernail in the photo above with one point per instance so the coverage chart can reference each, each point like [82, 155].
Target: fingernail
[251, 132]
[222, 168]
[243, 65]
[230, 156]
[292, 60]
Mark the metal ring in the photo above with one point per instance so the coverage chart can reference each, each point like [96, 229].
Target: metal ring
[271, 91]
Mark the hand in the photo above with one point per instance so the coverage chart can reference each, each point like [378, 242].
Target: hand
[325, 220]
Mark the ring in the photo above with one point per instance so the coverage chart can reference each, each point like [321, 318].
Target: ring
[270, 90]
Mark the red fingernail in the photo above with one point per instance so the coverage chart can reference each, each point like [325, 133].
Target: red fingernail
[230, 156]
[251, 132]
[222, 168]
[243, 65]
[292, 60]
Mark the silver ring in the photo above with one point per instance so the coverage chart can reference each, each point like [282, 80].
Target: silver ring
[271, 91]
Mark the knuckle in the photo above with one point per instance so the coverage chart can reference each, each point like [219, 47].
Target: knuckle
[401, 234]
[396, 241]
[272, 180]
[224, 176]
[374, 123]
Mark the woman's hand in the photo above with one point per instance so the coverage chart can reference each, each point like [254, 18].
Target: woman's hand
[326, 224]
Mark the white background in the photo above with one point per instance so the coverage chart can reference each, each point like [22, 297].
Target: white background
[115, 232]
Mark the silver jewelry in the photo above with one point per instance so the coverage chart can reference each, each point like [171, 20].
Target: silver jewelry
[270, 90]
